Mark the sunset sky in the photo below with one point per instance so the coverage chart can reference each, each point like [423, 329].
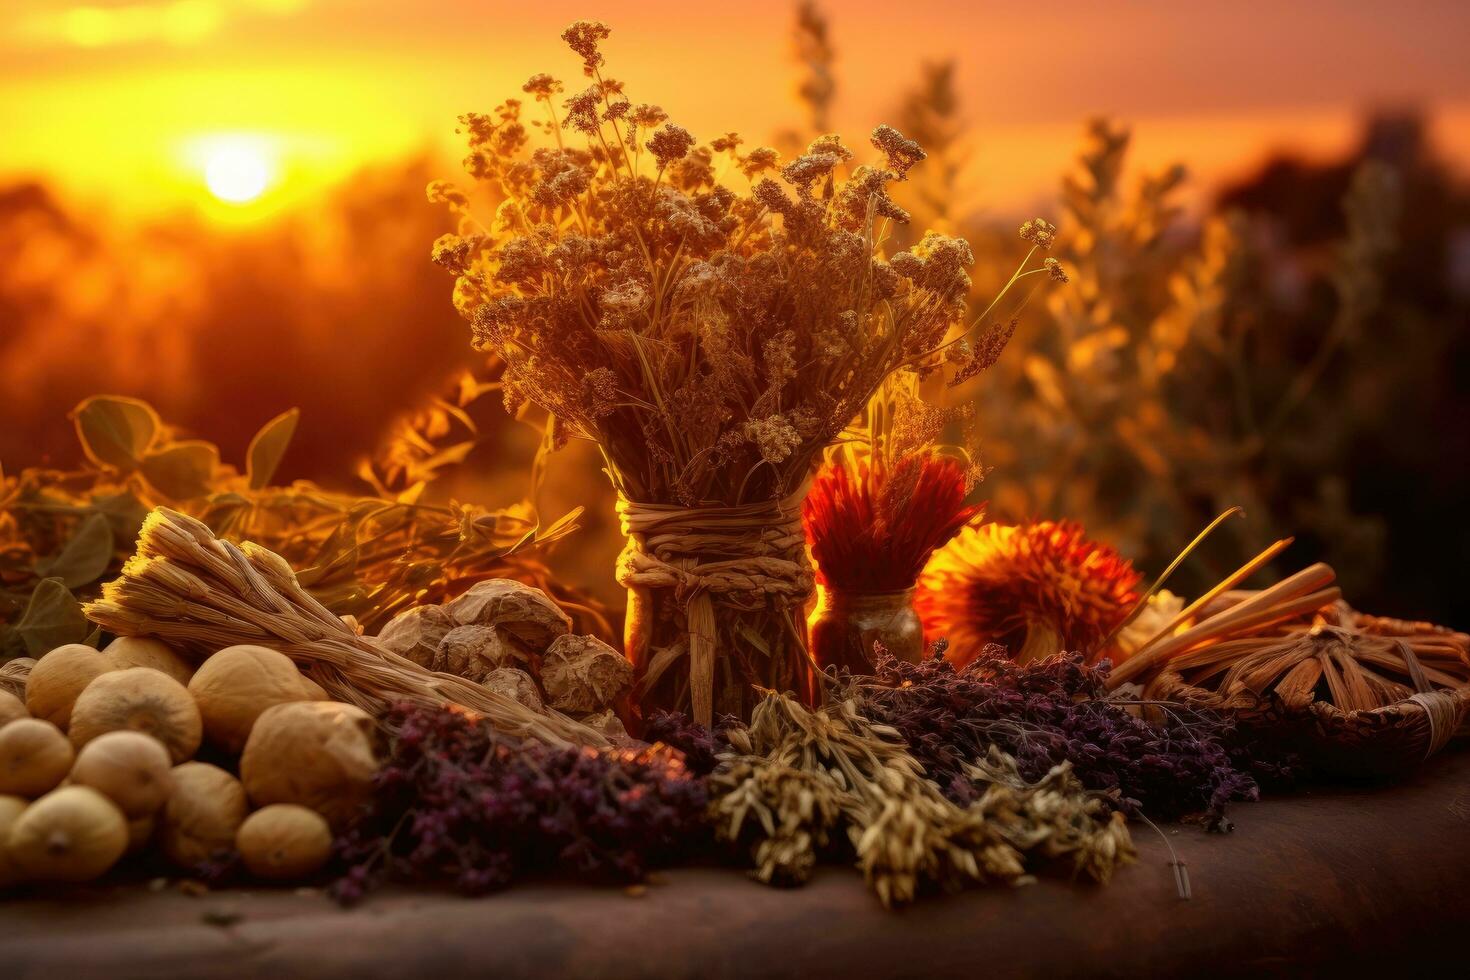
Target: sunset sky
[126, 104]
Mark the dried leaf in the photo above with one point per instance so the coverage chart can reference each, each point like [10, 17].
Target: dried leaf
[53, 618]
[268, 446]
[563, 525]
[1295, 689]
[183, 469]
[116, 431]
[84, 558]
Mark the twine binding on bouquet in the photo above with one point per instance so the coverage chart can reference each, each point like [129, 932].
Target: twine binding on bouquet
[746, 557]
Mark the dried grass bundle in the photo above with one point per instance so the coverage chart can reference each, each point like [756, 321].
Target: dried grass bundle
[796, 776]
[199, 593]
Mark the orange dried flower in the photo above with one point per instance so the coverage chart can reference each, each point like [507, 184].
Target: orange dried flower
[1036, 588]
[872, 528]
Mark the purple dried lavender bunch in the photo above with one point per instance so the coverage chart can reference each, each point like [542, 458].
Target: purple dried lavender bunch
[700, 746]
[456, 802]
[1053, 711]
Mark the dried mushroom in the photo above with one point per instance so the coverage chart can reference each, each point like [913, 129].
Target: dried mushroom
[582, 675]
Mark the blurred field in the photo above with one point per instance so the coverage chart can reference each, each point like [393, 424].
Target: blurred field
[1291, 338]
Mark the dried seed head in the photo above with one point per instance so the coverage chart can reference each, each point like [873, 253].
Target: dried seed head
[1040, 232]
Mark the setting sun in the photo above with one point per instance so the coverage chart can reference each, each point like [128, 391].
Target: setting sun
[238, 170]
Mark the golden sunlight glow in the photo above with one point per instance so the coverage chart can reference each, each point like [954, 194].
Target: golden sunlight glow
[237, 169]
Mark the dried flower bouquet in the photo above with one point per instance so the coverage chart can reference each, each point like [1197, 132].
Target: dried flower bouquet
[712, 341]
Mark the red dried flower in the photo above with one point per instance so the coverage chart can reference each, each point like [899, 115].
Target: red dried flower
[873, 529]
[1037, 589]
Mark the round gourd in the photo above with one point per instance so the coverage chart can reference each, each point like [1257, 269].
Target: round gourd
[12, 708]
[140, 832]
[141, 699]
[59, 677]
[314, 691]
[315, 753]
[70, 834]
[11, 807]
[284, 842]
[144, 651]
[202, 814]
[235, 685]
[131, 769]
[34, 757]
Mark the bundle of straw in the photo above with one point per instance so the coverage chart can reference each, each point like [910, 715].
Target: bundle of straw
[198, 594]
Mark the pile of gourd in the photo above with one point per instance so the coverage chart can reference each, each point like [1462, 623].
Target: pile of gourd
[98, 762]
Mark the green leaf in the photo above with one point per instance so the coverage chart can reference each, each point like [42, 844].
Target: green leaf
[84, 558]
[124, 511]
[182, 470]
[268, 446]
[53, 618]
[116, 431]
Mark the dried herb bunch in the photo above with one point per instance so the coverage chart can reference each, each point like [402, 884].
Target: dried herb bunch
[797, 777]
[458, 802]
[1054, 711]
[712, 341]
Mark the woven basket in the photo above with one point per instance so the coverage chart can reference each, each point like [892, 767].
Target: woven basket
[1378, 742]
[1336, 656]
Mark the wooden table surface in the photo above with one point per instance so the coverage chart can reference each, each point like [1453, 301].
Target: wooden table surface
[1342, 880]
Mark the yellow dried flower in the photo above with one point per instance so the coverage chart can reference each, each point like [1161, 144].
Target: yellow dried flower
[542, 86]
[1040, 232]
[583, 37]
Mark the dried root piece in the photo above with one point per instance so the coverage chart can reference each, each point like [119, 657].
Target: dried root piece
[473, 649]
[609, 724]
[515, 684]
[522, 614]
[416, 634]
[583, 675]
